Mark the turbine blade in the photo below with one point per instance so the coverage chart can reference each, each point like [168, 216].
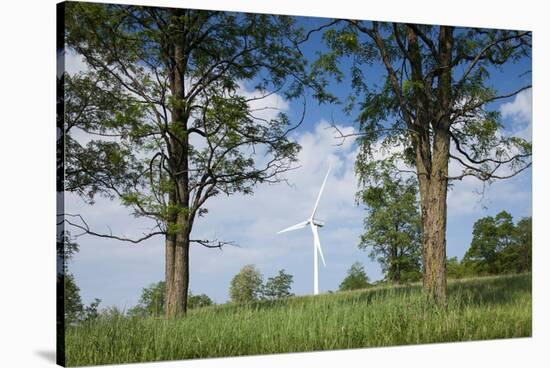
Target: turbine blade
[320, 192]
[318, 242]
[294, 227]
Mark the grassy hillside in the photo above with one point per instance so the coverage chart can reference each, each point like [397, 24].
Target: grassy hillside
[482, 308]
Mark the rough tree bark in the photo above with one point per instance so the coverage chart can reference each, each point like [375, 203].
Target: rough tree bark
[177, 252]
[433, 199]
[432, 165]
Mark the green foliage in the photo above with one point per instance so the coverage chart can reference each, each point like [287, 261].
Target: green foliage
[400, 110]
[355, 279]
[198, 301]
[518, 257]
[478, 309]
[499, 246]
[278, 287]
[75, 310]
[91, 312]
[73, 303]
[392, 226]
[459, 270]
[246, 286]
[152, 299]
[139, 129]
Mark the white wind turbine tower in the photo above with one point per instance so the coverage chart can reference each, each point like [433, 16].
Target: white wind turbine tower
[314, 224]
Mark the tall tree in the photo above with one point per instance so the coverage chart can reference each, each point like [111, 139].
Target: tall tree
[433, 105]
[355, 279]
[167, 119]
[392, 226]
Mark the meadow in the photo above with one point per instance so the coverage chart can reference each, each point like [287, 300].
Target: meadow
[478, 309]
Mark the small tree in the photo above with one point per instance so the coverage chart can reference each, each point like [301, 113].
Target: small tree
[199, 300]
[356, 278]
[91, 312]
[278, 287]
[72, 300]
[151, 302]
[73, 307]
[74, 310]
[246, 286]
[393, 226]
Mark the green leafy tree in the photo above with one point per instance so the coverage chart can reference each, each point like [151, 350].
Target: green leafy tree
[91, 312]
[392, 226]
[434, 103]
[246, 286]
[523, 245]
[167, 123]
[69, 295]
[459, 269]
[517, 256]
[355, 279]
[499, 246]
[151, 301]
[278, 287]
[68, 292]
[199, 301]
[489, 237]
[72, 300]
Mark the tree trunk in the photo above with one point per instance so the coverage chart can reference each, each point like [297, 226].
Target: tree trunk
[395, 272]
[177, 252]
[432, 161]
[433, 197]
[170, 249]
[181, 269]
[177, 269]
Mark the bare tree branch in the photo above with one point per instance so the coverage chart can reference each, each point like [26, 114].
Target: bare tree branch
[86, 230]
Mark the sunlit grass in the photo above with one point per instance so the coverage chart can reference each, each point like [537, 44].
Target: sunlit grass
[478, 309]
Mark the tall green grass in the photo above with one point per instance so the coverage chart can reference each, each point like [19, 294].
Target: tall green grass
[482, 308]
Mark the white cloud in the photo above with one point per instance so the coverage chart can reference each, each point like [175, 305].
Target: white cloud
[520, 109]
[520, 113]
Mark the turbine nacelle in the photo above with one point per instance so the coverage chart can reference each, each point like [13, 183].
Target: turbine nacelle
[318, 223]
[303, 224]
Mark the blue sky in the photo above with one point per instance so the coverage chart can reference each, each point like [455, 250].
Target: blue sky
[116, 272]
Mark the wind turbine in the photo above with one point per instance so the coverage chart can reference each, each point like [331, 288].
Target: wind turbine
[313, 224]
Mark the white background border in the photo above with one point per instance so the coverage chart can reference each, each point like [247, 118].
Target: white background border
[27, 181]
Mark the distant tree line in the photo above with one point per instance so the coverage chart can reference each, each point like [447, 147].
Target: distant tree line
[498, 247]
[392, 233]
